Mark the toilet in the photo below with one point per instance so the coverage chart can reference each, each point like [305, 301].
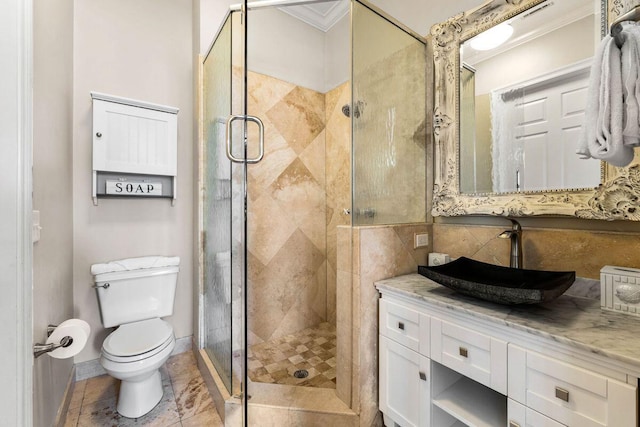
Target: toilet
[134, 294]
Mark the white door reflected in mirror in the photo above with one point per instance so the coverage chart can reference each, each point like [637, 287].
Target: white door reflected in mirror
[522, 103]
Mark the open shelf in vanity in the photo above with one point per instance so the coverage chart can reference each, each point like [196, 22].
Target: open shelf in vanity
[451, 361]
[468, 402]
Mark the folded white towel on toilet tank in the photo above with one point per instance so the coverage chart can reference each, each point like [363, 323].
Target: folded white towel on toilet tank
[602, 135]
[135, 264]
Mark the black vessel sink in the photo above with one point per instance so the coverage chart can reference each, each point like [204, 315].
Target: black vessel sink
[503, 285]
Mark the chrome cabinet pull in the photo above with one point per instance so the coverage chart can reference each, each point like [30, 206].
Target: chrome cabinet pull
[401, 325]
[257, 121]
[562, 394]
[423, 376]
[464, 352]
[513, 424]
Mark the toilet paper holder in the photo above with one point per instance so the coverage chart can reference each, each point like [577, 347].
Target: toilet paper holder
[40, 349]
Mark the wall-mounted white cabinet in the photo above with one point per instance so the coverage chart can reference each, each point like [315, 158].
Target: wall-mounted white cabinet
[135, 143]
[443, 368]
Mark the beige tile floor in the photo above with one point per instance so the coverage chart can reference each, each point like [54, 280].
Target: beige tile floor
[186, 401]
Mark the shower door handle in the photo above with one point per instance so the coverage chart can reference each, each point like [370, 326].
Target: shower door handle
[257, 121]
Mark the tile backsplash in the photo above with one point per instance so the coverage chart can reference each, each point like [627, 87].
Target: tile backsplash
[582, 251]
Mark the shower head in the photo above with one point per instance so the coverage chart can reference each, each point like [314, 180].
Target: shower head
[357, 110]
[346, 110]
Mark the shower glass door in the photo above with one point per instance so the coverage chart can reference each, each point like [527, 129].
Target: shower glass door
[225, 154]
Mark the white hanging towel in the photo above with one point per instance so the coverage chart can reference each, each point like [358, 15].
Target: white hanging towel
[630, 84]
[602, 134]
[135, 264]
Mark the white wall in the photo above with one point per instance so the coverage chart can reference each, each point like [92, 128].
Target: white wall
[421, 15]
[337, 54]
[286, 48]
[212, 14]
[52, 195]
[140, 50]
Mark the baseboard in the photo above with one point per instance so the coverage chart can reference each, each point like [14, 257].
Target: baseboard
[61, 416]
[182, 345]
[89, 369]
[93, 368]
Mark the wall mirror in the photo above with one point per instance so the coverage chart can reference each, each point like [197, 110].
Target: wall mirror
[508, 113]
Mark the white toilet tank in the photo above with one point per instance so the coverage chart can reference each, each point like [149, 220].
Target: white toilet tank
[136, 294]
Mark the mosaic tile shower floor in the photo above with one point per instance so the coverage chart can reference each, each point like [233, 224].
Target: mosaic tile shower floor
[312, 349]
[186, 401]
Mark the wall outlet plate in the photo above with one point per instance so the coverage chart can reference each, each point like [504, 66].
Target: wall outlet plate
[420, 240]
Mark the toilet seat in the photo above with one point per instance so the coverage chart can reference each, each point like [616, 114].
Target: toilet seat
[136, 341]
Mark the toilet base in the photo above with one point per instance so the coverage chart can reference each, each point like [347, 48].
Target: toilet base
[140, 397]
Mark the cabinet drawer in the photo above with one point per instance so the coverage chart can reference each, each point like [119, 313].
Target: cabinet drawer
[570, 394]
[521, 416]
[405, 326]
[473, 354]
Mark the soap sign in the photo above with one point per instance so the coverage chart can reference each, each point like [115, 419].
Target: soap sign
[133, 188]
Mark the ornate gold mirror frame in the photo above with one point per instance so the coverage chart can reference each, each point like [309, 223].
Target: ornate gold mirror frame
[616, 198]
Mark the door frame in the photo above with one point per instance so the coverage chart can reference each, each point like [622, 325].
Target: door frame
[16, 118]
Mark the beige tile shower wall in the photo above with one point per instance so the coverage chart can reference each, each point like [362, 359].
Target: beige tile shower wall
[338, 179]
[582, 251]
[287, 240]
[377, 252]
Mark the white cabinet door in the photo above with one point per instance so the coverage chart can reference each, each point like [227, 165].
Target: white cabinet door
[131, 139]
[404, 382]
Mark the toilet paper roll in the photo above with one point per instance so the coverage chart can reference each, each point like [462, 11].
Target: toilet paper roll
[77, 329]
[84, 325]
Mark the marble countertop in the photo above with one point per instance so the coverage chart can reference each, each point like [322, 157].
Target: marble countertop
[574, 321]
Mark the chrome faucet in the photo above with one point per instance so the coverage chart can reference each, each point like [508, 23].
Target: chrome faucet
[515, 234]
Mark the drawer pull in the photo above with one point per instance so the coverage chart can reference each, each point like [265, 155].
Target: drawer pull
[513, 424]
[401, 325]
[423, 376]
[464, 352]
[562, 394]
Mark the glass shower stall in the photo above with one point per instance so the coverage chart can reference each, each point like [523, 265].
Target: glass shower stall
[309, 122]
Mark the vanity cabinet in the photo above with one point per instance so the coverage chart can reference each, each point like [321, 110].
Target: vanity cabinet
[444, 367]
[404, 376]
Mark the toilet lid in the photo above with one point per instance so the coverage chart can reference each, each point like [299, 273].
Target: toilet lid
[136, 338]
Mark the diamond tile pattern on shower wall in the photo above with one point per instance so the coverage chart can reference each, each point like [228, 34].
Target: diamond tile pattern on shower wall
[288, 240]
[312, 349]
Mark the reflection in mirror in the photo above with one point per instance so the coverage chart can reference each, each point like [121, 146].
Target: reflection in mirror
[522, 102]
